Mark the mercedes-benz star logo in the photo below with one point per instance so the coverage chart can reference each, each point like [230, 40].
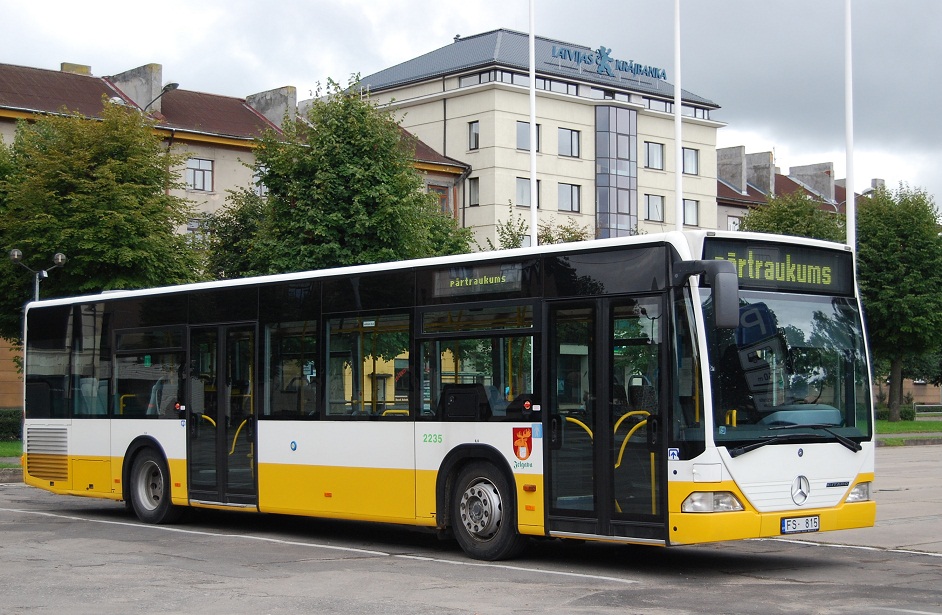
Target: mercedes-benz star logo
[801, 489]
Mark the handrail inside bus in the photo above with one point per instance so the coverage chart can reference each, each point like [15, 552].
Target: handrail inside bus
[626, 415]
[235, 438]
[582, 425]
[122, 401]
[624, 442]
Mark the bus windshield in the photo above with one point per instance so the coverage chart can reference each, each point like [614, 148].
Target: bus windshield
[794, 370]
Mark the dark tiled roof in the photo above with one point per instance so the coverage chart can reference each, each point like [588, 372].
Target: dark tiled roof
[727, 194]
[49, 91]
[210, 113]
[840, 196]
[511, 49]
[425, 153]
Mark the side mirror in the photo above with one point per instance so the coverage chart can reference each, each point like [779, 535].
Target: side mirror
[726, 299]
[722, 278]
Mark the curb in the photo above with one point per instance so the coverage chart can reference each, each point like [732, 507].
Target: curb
[909, 441]
[11, 475]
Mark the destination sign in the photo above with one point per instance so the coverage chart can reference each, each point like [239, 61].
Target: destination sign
[776, 266]
[478, 280]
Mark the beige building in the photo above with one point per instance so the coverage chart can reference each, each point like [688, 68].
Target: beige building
[605, 133]
[216, 133]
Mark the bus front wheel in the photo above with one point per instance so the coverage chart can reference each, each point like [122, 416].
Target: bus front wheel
[150, 489]
[483, 514]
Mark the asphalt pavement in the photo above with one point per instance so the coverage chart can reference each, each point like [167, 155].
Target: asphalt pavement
[908, 491]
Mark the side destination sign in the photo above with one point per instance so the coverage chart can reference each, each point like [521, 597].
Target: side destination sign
[777, 266]
[478, 280]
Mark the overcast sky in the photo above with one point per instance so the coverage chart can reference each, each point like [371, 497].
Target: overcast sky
[775, 67]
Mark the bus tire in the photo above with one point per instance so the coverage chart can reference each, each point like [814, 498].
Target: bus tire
[483, 515]
[150, 489]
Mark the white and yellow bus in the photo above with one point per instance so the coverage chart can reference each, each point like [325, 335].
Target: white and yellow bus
[663, 389]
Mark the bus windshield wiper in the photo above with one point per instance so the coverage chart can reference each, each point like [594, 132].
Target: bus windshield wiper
[847, 442]
[739, 450]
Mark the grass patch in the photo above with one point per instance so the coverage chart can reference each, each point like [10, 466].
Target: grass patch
[11, 448]
[886, 427]
[893, 442]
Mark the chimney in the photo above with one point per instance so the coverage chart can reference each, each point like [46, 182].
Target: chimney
[76, 69]
[142, 85]
[731, 167]
[818, 177]
[276, 105]
[760, 172]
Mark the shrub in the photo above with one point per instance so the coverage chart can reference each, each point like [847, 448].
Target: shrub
[883, 413]
[906, 413]
[11, 423]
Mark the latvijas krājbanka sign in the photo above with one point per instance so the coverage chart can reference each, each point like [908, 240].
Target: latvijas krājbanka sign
[607, 65]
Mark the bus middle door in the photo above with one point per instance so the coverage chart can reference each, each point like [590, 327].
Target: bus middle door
[605, 466]
[221, 415]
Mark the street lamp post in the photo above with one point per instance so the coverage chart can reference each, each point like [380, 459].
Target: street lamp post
[167, 88]
[58, 260]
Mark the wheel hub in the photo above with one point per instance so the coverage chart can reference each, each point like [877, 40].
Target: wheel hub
[480, 509]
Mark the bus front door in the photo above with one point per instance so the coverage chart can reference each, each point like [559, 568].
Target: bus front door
[605, 463]
[221, 415]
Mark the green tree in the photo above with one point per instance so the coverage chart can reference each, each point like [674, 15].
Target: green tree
[98, 191]
[568, 231]
[794, 214]
[512, 232]
[342, 190]
[900, 274]
[232, 233]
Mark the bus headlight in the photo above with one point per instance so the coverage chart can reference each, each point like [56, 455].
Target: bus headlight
[711, 501]
[860, 493]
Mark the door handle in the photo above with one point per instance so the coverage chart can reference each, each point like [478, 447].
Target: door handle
[653, 429]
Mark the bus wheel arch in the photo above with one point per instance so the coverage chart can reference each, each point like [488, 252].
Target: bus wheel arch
[147, 483]
[478, 502]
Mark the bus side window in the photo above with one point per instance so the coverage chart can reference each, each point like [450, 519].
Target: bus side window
[498, 370]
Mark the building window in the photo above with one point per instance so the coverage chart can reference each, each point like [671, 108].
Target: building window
[568, 142]
[442, 193]
[654, 207]
[691, 212]
[523, 192]
[260, 188]
[691, 161]
[199, 174]
[732, 223]
[195, 232]
[474, 195]
[569, 197]
[659, 105]
[654, 155]
[474, 135]
[616, 172]
[523, 136]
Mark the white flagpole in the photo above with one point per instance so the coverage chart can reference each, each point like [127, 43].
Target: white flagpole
[850, 202]
[678, 131]
[534, 193]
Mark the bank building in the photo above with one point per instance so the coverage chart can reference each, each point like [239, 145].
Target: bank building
[605, 133]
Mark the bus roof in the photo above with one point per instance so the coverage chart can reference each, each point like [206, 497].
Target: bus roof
[688, 243]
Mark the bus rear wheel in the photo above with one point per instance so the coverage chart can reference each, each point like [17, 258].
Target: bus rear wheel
[483, 514]
[150, 489]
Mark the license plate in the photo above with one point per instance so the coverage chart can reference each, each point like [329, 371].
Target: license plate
[800, 525]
